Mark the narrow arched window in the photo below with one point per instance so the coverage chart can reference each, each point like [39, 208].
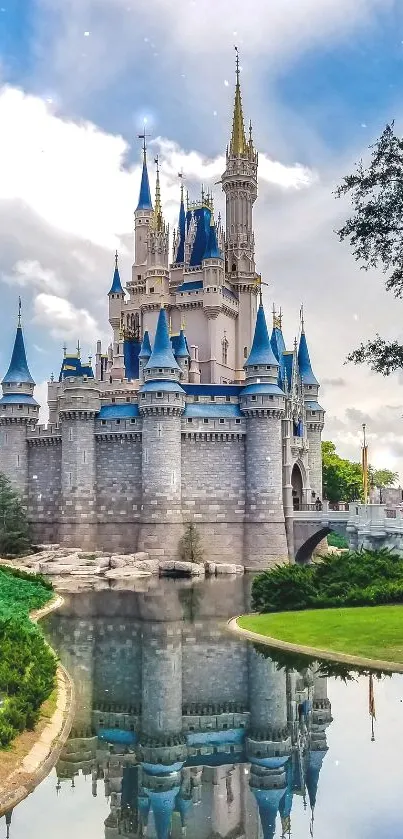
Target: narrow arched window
[224, 348]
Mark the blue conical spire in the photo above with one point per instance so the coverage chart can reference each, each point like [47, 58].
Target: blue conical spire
[182, 350]
[315, 761]
[145, 349]
[162, 805]
[162, 354]
[145, 202]
[268, 802]
[304, 362]
[212, 249]
[261, 352]
[116, 287]
[18, 371]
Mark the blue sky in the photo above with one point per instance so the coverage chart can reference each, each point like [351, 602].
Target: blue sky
[319, 77]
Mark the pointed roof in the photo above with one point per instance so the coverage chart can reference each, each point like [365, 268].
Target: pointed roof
[162, 354]
[181, 350]
[261, 352]
[145, 202]
[180, 255]
[18, 371]
[315, 761]
[116, 287]
[268, 802]
[163, 805]
[212, 250]
[238, 146]
[145, 349]
[304, 362]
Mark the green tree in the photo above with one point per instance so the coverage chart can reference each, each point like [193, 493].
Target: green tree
[14, 528]
[342, 479]
[190, 549]
[375, 233]
[381, 478]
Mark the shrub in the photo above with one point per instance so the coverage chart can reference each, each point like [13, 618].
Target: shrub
[334, 540]
[14, 529]
[190, 549]
[354, 578]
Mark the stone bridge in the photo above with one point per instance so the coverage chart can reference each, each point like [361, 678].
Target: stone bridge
[364, 525]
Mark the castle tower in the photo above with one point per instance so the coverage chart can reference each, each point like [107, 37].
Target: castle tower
[278, 347]
[116, 297]
[182, 356]
[144, 354]
[314, 413]
[263, 403]
[157, 274]
[239, 182]
[161, 405]
[142, 220]
[18, 412]
[78, 405]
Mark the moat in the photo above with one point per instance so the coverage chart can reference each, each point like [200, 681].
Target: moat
[182, 729]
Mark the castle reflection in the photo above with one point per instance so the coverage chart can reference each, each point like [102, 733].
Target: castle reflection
[186, 730]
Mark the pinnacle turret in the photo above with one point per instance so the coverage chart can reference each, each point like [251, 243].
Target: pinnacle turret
[18, 371]
[145, 202]
[162, 354]
[212, 250]
[304, 361]
[145, 350]
[261, 352]
[238, 146]
[116, 287]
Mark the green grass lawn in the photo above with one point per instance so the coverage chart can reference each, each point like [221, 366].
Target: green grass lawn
[370, 632]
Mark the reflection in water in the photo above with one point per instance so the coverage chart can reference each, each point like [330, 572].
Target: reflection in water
[184, 729]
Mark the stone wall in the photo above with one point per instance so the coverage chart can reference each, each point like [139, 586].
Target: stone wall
[213, 491]
[118, 490]
[315, 460]
[44, 486]
[213, 670]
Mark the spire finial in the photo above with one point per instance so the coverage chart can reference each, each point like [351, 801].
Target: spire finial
[181, 177]
[78, 348]
[65, 349]
[301, 317]
[116, 259]
[158, 222]
[238, 145]
[143, 137]
[19, 312]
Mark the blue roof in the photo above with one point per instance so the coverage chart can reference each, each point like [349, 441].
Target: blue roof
[304, 363]
[162, 805]
[116, 287]
[123, 411]
[268, 802]
[180, 256]
[161, 384]
[18, 398]
[195, 285]
[261, 352]
[212, 250]
[313, 406]
[162, 354]
[277, 343]
[180, 346]
[315, 761]
[210, 409]
[145, 202]
[212, 390]
[72, 366]
[262, 387]
[18, 371]
[131, 353]
[202, 216]
[145, 350]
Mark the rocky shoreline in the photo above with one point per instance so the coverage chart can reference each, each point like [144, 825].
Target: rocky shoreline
[57, 561]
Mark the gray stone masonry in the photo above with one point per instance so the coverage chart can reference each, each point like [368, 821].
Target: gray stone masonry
[44, 483]
[78, 520]
[162, 678]
[315, 459]
[14, 452]
[265, 536]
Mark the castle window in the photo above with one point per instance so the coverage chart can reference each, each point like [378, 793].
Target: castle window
[254, 398]
[133, 421]
[309, 387]
[212, 398]
[205, 420]
[127, 398]
[84, 456]
[228, 399]
[195, 398]
[222, 421]
[20, 407]
[143, 395]
[224, 349]
[238, 421]
[18, 460]
[159, 394]
[103, 422]
[190, 419]
[160, 370]
[139, 276]
[113, 399]
[177, 395]
[117, 422]
[245, 352]
[172, 371]
[152, 290]
[233, 267]
[70, 434]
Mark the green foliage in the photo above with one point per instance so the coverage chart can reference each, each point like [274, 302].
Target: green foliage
[27, 665]
[358, 578]
[342, 479]
[334, 540]
[375, 233]
[14, 528]
[190, 549]
[381, 478]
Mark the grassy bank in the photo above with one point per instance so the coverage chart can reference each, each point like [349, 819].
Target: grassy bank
[369, 632]
[27, 665]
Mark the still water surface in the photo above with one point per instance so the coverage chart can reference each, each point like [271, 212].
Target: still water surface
[183, 730]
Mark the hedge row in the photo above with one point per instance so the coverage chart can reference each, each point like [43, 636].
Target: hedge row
[355, 578]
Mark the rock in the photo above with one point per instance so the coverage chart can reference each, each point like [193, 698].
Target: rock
[128, 571]
[104, 562]
[227, 568]
[190, 569]
[211, 568]
[150, 565]
[117, 561]
[140, 556]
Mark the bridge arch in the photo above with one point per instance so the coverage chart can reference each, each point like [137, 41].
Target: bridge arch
[304, 554]
[297, 483]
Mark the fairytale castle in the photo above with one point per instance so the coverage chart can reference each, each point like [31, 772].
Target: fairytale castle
[194, 413]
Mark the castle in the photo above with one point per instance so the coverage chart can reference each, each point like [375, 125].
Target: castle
[194, 413]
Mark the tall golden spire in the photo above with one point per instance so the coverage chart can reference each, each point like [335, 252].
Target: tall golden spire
[158, 220]
[238, 145]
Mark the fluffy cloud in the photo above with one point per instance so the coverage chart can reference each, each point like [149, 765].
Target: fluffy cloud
[31, 274]
[62, 319]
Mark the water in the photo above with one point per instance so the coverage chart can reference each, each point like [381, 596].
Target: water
[202, 735]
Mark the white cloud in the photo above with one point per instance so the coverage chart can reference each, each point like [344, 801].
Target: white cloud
[31, 274]
[62, 319]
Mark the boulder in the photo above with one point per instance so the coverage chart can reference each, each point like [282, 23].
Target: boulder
[211, 568]
[228, 568]
[140, 556]
[128, 571]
